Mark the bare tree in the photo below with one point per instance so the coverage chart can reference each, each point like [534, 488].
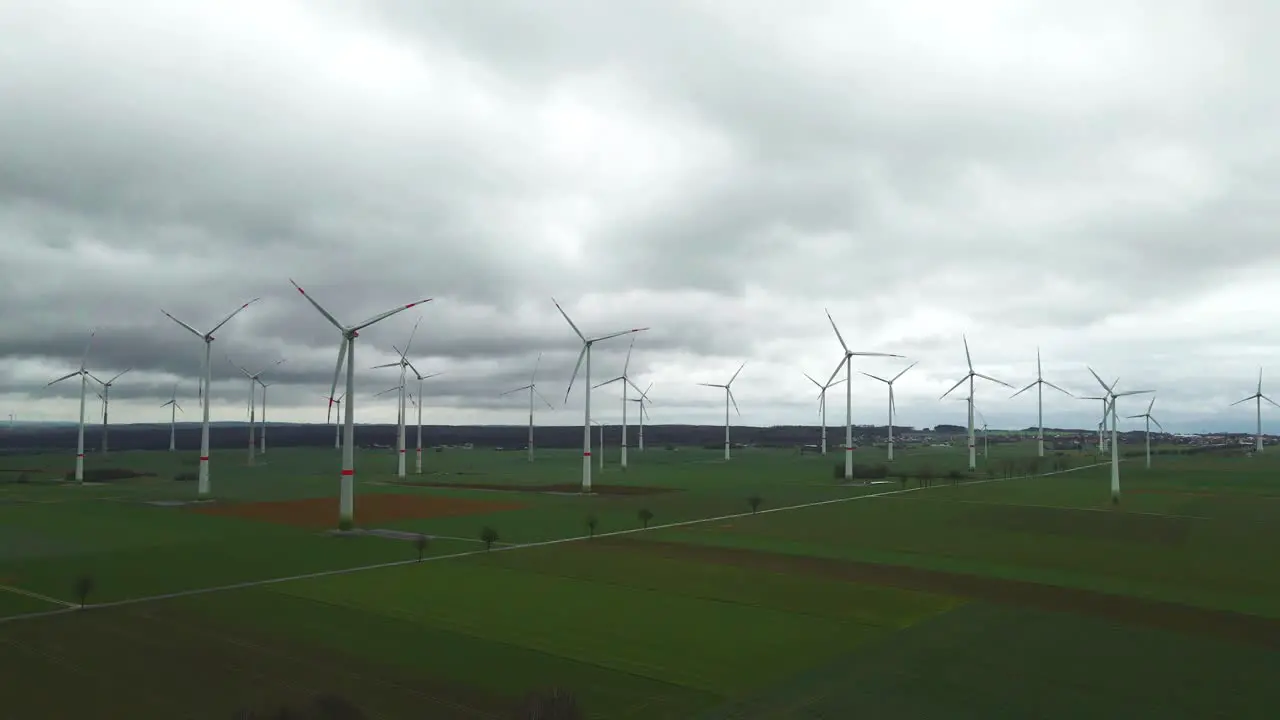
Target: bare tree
[645, 516]
[83, 586]
[754, 501]
[488, 536]
[592, 522]
[420, 543]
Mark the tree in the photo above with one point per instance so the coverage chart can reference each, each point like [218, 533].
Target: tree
[84, 586]
[420, 543]
[592, 522]
[754, 501]
[488, 536]
[645, 516]
[926, 475]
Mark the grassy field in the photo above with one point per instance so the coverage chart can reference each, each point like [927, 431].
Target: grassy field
[978, 596]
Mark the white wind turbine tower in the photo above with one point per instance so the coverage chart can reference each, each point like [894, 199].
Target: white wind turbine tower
[973, 459]
[728, 397]
[847, 363]
[202, 489]
[1259, 397]
[1111, 397]
[822, 408]
[986, 445]
[1039, 384]
[1150, 419]
[532, 387]
[84, 383]
[253, 382]
[418, 404]
[403, 364]
[644, 412]
[586, 380]
[174, 407]
[106, 402]
[347, 354]
[262, 436]
[892, 406]
[625, 380]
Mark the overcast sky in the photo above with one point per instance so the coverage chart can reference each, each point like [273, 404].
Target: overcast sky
[1098, 180]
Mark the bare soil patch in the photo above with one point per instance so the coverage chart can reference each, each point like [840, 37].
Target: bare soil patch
[1240, 627]
[370, 509]
[558, 488]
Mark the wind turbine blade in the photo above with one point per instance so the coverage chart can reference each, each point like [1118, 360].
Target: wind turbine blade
[734, 401]
[566, 319]
[1024, 390]
[904, 371]
[953, 387]
[325, 313]
[874, 354]
[342, 356]
[838, 335]
[607, 382]
[117, 377]
[166, 404]
[1259, 381]
[577, 367]
[1157, 422]
[1151, 405]
[1055, 387]
[235, 312]
[967, 358]
[193, 331]
[64, 377]
[1105, 387]
[412, 332]
[544, 400]
[1131, 392]
[619, 334]
[1039, 372]
[627, 365]
[94, 377]
[1273, 402]
[385, 365]
[710, 385]
[533, 378]
[646, 390]
[178, 406]
[644, 411]
[988, 377]
[815, 382]
[383, 316]
[834, 384]
[633, 387]
[1130, 417]
[874, 377]
[89, 343]
[526, 387]
[1251, 397]
[384, 392]
[835, 372]
[735, 375]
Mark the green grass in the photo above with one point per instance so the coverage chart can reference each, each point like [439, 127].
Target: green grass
[638, 634]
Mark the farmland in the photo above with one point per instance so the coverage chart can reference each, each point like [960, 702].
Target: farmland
[949, 597]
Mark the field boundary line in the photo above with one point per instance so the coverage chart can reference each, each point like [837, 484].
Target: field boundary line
[38, 596]
[506, 548]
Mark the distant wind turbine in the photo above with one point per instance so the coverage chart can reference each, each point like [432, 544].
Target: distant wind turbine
[337, 427]
[625, 380]
[643, 400]
[253, 394]
[1150, 419]
[202, 487]
[585, 354]
[403, 364]
[84, 383]
[1259, 397]
[973, 459]
[847, 363]
[1102, 423]
[728, 397]
[1039, 384]
[892, 407]
[822, 406]
[532, 387]
[106, 402]
[174, 407]
[1112, 396]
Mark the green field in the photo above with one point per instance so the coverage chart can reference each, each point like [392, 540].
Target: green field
[971, 596]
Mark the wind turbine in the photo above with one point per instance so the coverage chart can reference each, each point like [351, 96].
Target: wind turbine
[347, 354]
[532, 387]
[400, 444]
[418, 405]
[822, 406]
[84, 374]
[847, 363]
[253, 382]
[1111, 397]
[1259, 397]
[403, 364]
[973, 459]
[262, 437]
[625, 382]
[174, 407]
[986, 446]
[728, 397]
[106, 402]
[644, 412]
[1150, 419]
[202, 489]
[892, 407]
[337, 429]
[1102, 424]
[586, 380]
[1039, 385]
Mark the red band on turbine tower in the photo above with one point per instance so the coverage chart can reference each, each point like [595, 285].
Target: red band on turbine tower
[349, 472]
[586, 454]
[79, 454]
[402, 452]
[204, 458]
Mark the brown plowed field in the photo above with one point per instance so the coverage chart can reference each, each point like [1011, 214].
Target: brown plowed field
[1240, 627]
[370, 509]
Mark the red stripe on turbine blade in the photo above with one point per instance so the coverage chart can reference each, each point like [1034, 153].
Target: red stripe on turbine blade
[348, 472]
[301, 291]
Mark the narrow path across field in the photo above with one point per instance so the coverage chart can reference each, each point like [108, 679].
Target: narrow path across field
[1240, 627]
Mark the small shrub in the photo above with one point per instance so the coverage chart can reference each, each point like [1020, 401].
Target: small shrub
[488, 536]
[592, 522]
[754, 501]
[645, 516]
[83, 586]
[420, 544]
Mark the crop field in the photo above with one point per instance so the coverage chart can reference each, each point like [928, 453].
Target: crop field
[684, 587]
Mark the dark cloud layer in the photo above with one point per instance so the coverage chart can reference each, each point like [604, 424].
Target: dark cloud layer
[1097, 181]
